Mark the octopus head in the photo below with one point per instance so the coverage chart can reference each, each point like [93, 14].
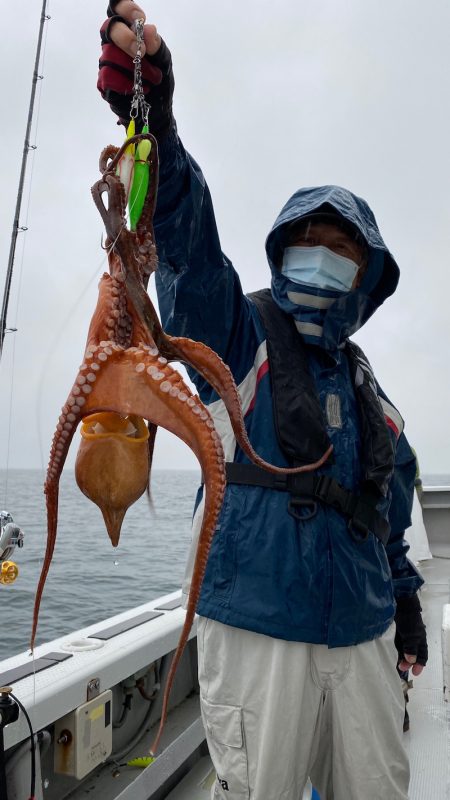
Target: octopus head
[112, 466]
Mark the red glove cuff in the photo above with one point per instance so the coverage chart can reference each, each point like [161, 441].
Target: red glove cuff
[116, 71]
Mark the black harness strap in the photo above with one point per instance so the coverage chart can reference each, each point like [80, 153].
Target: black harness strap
[299, 420]
[308, 488]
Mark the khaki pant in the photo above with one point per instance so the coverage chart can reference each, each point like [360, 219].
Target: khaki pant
[276, 712]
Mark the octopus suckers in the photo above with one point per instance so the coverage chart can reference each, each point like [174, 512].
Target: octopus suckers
[102, 357]
[140, 367]
[165, 386]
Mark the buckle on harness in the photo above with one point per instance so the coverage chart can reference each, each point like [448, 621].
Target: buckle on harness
[296, 504]
[358, 531]
[332, 494]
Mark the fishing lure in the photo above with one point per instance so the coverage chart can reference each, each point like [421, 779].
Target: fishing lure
[125, 167]
[141, 180]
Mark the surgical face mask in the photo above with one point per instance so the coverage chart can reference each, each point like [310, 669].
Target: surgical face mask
[319, 267]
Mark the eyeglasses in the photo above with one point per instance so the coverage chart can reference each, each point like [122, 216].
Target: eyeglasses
[340, 238]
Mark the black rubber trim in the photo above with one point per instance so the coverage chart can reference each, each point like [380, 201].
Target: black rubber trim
[123, 627]
[15, 674]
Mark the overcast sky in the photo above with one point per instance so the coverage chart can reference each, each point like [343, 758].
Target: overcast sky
[269, 97]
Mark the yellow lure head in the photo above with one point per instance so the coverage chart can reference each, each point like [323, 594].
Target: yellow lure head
[142, 762]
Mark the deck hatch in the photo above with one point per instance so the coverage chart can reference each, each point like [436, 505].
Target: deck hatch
[15, 674]
[122, 627]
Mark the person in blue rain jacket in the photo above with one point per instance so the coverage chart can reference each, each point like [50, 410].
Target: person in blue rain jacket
[297, 664]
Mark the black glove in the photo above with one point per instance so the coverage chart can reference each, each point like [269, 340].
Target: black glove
[411, 634]
[116, 79]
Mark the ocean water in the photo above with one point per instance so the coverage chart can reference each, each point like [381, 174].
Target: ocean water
[89, 580]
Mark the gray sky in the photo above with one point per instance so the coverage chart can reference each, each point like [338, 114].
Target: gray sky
[269, 97]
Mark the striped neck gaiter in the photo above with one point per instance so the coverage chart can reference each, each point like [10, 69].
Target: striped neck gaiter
[308, 306]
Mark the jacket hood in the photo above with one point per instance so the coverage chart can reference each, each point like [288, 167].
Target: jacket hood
[347, 314]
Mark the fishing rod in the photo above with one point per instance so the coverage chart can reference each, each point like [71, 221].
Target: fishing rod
[11, 536]
[26, 149]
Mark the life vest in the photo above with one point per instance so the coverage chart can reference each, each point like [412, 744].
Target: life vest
[302, 435]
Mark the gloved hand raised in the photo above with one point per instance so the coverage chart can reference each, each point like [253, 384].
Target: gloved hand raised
[410, 637]
[116, 68]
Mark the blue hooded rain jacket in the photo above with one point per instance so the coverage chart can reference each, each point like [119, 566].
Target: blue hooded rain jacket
[268, 572]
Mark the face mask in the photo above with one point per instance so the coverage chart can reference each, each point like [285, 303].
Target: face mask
[319, 267]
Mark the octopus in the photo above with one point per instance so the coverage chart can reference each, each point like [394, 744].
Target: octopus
[125, 378]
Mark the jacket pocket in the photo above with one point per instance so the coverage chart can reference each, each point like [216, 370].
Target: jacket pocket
[225, 564]
[226, 741]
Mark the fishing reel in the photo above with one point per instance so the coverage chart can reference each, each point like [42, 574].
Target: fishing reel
[11, 536]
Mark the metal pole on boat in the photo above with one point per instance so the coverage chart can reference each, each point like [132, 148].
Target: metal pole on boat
[26, 148]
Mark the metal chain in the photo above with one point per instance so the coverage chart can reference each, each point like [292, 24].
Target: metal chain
[138, 103]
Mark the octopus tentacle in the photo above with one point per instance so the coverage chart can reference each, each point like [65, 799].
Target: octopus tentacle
[71, 414]
[214, 489]
[219, 376]
[107, 156]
